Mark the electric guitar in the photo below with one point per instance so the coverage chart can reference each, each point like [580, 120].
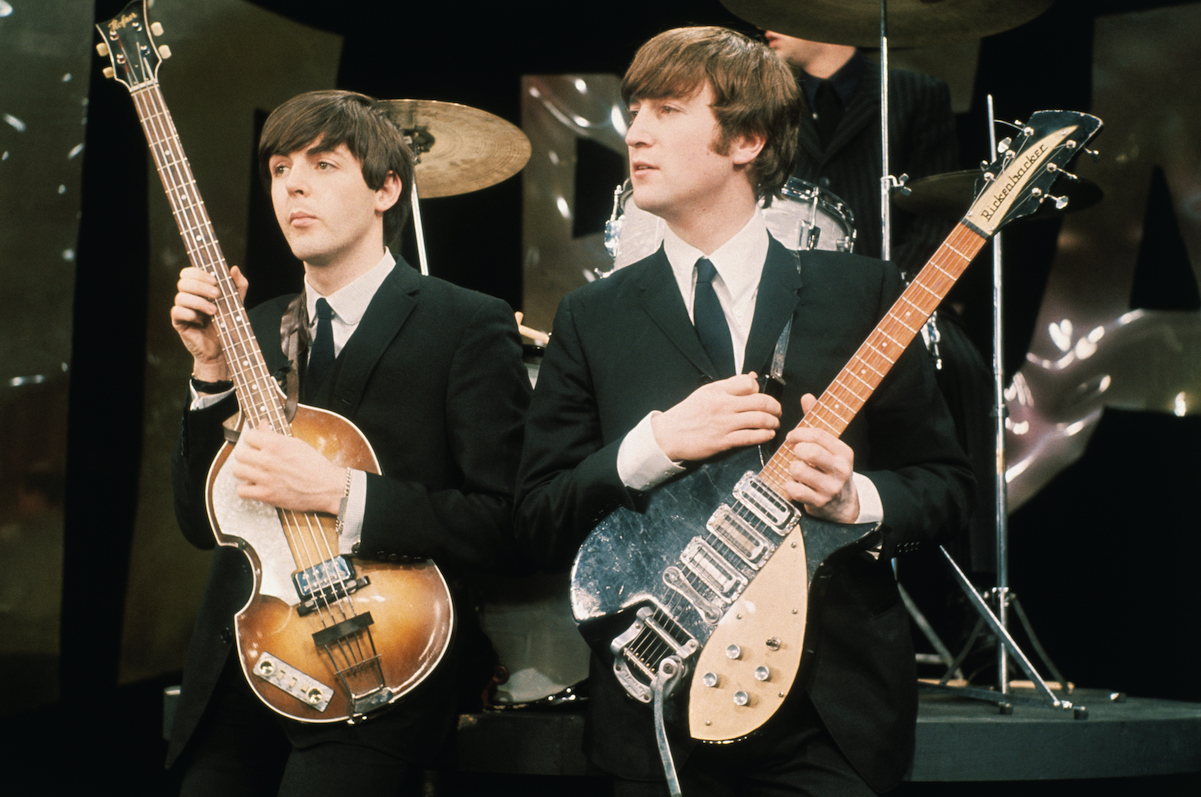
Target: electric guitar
[709, 584]
[324, 637]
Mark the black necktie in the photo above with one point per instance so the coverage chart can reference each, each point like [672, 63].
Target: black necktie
[827, 111]
[321, 355]
[710, 321]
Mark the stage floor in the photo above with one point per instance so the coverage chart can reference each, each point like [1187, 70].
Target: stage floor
[958, 739]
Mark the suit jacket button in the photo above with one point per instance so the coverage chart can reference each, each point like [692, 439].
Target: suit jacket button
[381, 555]
[394, 557]
[227, 636]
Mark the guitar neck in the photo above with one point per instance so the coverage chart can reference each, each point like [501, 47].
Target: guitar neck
[257, 391]
[854, 385]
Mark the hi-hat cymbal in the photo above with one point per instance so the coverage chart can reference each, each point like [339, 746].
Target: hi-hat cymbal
[911, 23]
[950, 195]
[459, 149]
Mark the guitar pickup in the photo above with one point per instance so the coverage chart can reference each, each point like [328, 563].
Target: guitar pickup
[702, 560]
[754, 493]
[326, 582]
[739, 536]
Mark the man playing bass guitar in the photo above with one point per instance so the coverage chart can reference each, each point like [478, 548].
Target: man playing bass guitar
[653, 371]
[432, 376]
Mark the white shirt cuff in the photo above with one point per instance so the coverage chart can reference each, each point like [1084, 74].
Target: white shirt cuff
[641, 463]
[356, 509]
[871, 510]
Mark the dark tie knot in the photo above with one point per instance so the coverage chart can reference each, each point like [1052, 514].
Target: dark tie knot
[324, 311]
[705, 271]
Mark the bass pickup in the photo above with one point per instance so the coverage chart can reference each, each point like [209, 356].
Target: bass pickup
[323, 583]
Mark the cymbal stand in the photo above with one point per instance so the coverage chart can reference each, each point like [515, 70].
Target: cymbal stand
[998, 623]
[419, 143]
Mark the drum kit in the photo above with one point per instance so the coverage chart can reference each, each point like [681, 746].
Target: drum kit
[460, 149]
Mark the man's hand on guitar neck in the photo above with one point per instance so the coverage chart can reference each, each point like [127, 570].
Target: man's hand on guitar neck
[717, 417]
[192, 317]
[822, 474]
[287, 472]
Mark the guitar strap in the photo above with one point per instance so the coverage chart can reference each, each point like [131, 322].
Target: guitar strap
[294, 339]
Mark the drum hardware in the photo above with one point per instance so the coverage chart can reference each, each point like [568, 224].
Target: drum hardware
[456, 150]
[802, 217]
[911, 23]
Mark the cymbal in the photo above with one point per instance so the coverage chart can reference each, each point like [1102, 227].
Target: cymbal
[911, 23]
[459, 149]
[950, 195]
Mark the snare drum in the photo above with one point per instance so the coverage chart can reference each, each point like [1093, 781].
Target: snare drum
[803, 216]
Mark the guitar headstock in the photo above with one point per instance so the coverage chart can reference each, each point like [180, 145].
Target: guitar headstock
[1017, 182]
[127, 40]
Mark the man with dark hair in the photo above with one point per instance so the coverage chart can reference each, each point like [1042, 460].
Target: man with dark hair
[432, 376]
[653, 370]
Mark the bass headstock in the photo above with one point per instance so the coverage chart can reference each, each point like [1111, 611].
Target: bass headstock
[1020, 179]
[127, 40]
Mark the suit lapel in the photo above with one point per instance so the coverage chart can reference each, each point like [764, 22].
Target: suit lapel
[660, 299]
[774, 305]
[386, 314]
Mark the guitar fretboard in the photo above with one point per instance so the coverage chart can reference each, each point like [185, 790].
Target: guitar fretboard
[257, 392]
[854, 385]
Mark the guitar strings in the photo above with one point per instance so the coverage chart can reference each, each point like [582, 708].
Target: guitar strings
[233, 328]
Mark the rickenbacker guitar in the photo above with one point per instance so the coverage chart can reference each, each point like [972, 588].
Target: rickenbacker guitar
[324, 637]
[709, 584]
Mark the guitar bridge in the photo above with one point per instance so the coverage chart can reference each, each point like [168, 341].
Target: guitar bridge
[639, 652]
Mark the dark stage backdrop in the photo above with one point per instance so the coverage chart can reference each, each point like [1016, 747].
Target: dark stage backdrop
[1101, 324]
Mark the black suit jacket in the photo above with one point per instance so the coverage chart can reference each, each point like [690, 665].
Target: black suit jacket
[922, 142]
[622, 347]
[433, 378]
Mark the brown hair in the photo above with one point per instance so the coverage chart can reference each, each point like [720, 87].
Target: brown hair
[360, 122]
[754, 92]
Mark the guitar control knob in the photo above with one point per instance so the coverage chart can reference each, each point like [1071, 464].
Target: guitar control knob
[741, 698]
[762, 673]
[734, 652]
[710, 679]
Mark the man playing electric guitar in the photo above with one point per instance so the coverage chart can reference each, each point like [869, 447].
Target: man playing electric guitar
[653, 371]
[432, 376]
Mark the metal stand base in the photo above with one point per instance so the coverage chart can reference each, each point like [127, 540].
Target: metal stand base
[1007, 647]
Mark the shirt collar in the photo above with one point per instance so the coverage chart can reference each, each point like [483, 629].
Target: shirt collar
[349, 302]
[739, 261]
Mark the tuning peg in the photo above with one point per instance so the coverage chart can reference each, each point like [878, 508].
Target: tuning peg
[1092, 153]
[109, 72]
[164, 52]
[102, 48]
[156, 28]
[1054, 168]
[1003, 145]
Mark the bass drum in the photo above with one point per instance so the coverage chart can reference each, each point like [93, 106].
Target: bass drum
[802, 217]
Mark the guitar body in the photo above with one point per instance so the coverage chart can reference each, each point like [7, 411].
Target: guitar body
[317, 662]
[714, 560]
